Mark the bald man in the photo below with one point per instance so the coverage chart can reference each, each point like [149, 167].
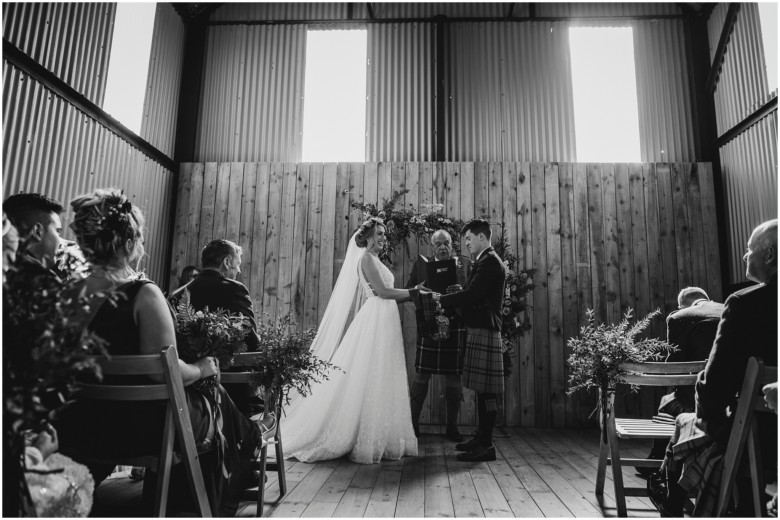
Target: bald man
[438, 357]
[747, 328]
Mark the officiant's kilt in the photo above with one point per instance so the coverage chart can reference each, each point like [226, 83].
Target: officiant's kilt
[438, 357]
[483, 363]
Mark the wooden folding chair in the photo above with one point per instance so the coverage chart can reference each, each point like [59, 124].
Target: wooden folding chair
[177, 419]
[640, 374]
[249, 359]
[745, 429]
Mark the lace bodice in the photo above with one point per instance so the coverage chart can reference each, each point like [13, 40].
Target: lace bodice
[384, 272]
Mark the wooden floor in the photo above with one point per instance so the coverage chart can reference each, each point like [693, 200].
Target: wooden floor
[538, 473]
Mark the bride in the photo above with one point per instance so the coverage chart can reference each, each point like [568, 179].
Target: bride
[364, 410]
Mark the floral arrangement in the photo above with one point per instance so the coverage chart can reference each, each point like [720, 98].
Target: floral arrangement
[518, 283]
[45, 348]
[70, 261]
[208, 333]
[403, 223]
[285, 361]
[598, 352]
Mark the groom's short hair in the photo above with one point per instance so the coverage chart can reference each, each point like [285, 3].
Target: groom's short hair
[217, 250]
[477, 226]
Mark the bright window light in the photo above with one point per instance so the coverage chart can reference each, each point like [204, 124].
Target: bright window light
[334, 108]
[606, 114]
[128, 66]
[767, 14]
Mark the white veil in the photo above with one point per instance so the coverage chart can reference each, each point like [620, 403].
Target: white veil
[347, 296]
[344, 300]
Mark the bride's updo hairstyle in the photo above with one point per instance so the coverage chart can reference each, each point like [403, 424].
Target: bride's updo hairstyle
[104, 222]
[366, 230]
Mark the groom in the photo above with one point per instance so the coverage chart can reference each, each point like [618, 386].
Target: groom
[483, 367]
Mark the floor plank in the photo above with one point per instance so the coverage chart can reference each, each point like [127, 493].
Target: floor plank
[538, 473]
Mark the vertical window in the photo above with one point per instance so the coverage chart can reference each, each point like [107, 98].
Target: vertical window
[606, 113]
[767, 14]
[334, 108]
[128, 65]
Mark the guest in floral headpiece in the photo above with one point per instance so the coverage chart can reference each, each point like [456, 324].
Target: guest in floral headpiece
[109, 229]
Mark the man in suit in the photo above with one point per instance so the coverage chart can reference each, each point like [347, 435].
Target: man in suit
[216, 287]
[692, 328]
[480, 303]
[438, 357]
[747, 328]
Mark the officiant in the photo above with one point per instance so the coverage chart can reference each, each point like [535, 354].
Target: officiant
[440, 272]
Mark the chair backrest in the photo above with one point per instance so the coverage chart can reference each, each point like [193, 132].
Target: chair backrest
[165, 364]
[750, 401]
[247, 360]
[683, 373]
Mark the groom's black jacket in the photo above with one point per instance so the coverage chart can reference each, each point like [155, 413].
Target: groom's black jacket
[211, 289]
[480, 300]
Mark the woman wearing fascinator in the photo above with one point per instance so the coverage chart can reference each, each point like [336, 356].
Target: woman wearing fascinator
[363, 409]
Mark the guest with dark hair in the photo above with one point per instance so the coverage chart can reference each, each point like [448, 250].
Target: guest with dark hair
[109, 229]
[37, 219]
[747, 328]
[216, 287]
[187, 275]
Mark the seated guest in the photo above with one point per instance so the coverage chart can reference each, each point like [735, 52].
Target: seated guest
[216, 287]
[692, 328]
[109, 229]
[37, 219]
[747, 328]
[188, 274]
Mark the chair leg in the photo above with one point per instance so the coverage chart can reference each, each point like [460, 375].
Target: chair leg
[280, 468]
[261, 484]
[756, 473]
[164, 469]
[601, 471]
[617, 470]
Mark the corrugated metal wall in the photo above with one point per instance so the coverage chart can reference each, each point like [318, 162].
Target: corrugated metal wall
[510, 97]
[401, 103]
[162, 85]
[51, 147]
[749, 172]
[239, 11]
[748, 162]
[252, 98]
[72, 40]
[742, 86]
[666, 131]
[508, 92]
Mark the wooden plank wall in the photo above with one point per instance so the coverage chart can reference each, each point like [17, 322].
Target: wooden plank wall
[603, 236]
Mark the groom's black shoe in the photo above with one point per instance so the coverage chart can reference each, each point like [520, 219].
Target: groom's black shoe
[479, 454]
[468, 445]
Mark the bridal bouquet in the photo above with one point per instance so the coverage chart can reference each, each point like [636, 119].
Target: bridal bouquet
[208, 333]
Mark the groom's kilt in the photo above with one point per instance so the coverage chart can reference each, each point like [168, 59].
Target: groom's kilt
[483, 363]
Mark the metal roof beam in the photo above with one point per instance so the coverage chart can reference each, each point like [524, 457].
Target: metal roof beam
[725, 34]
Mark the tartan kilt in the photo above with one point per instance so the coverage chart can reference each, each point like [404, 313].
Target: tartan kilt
[441, 357]
[483, 363]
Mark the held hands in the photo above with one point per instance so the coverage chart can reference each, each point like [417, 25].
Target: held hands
[770, 396]
[208, 367]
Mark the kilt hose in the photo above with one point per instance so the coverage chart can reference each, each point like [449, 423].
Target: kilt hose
[483, 363]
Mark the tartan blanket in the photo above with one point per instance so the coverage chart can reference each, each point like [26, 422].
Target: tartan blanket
[702, 463]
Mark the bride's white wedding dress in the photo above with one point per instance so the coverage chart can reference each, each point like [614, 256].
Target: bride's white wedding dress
[364, 410]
